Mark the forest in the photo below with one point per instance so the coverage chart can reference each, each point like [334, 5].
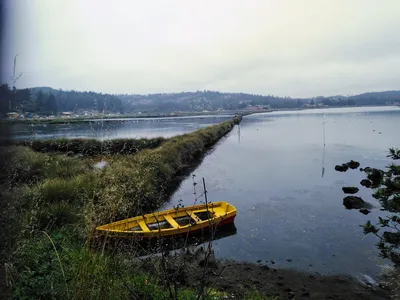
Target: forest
[49, 101]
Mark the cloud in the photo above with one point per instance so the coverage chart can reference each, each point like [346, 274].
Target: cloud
[294, 48]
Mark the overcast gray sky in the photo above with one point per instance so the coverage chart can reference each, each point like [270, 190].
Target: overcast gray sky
[280, 47]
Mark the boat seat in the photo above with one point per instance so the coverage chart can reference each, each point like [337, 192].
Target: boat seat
[194, 217]
[143, 225]
[171, 221]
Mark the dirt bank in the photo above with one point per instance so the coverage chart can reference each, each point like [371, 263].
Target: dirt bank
[236, 279]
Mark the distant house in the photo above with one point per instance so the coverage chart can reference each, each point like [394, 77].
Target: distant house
[13, 115]
[66, 114]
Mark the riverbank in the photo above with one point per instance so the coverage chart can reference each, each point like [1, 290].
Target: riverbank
[103, 118]
[52, 203]
[56, 202]
[236, 280]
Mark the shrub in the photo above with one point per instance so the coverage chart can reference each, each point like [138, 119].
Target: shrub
[92, 147]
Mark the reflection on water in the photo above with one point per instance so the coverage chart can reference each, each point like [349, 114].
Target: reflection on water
[155, 246]
[287, 211]
[118, 128]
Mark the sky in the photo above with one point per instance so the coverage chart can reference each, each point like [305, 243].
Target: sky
[296, 48]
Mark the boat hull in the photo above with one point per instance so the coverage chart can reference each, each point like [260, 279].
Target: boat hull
[201, 217]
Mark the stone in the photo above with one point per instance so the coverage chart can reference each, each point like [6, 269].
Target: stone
[353, 164]
[365, 182]
[353, 202]
[350, 189]
[364, 211]
[341, 168]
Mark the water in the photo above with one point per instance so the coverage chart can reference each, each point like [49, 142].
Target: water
[117, 128]
[271, 170]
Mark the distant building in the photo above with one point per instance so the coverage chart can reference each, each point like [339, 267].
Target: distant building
[13, 115]
[66, 114]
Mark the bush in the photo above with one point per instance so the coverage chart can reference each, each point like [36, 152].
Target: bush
[386, 189]
[92, 147]
[26, 166]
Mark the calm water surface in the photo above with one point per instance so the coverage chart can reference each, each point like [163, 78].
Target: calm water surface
[118, 128]
[271, 170]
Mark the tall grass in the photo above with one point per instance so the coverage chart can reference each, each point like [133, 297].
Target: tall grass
[138, 184]
[66, 198]
[92, 147]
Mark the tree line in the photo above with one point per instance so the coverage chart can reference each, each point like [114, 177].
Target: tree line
[44, 100]
[49, 101]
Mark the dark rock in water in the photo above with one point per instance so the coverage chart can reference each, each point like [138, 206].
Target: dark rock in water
[289, 260]
[353, 164]
[376, 176]
[272, 262]
[366, 183]
[350, 189]
[353, 202]
[341, 168]
[258, 261]
[364, 211]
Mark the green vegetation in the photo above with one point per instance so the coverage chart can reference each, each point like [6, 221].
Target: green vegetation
[45, 101]
[386, 189]
[52, 203]
[92, 147]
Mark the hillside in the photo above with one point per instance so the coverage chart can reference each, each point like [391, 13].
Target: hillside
[46, 100]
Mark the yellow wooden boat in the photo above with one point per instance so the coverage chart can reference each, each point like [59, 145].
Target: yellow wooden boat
[173, 221]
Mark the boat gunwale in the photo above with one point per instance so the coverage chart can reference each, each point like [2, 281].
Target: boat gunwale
[190, 211]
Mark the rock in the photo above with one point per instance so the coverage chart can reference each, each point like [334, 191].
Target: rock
[353, 202]
[366, 183]
[289, 260]
[350, 189]
[353, 164]
[258, 261]
[341, 168]
[364, 211]
[376, 176]
[272, 262]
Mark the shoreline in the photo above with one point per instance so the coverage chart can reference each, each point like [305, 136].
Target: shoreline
[100, 118]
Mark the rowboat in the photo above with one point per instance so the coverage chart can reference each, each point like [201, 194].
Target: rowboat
[173, 221]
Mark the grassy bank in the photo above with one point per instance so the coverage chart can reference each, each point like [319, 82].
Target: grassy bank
[92, 147]
[52, 203]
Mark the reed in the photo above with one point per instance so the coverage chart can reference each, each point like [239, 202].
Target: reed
[66, 197]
